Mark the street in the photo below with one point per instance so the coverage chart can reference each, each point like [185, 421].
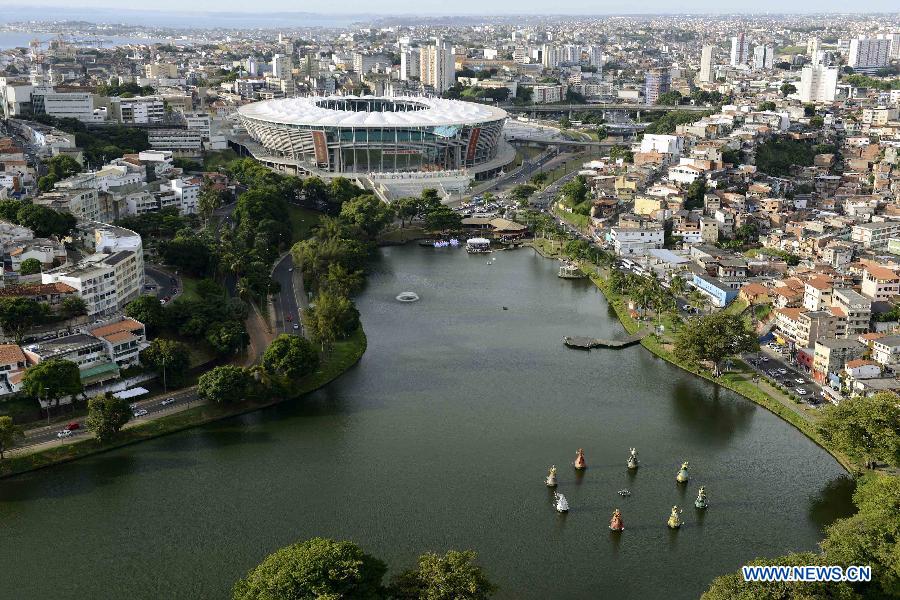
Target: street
[770, 364]
[287, 311]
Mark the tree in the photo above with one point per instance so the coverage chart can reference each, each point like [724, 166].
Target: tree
[73, 306]
[368, 213]
[52, 380]
[817, 121]
[766, 106]
[227, 337]
[443, 219]
[30, 266]
[787, 89]
[209, 200]
[226, 384]
[148, 311]
[871, 536]
[291, 356]
[696, 194]
[9, 433]
[18, 315]
[523, 192]
[44, 221]
[107, 414]
[341, 281]
[574, 192]
[714, 338]
[316, 568]
[865, 428]
[733, 586]
[672, 98]
[172, 359]
[454, 576]
[332, 317]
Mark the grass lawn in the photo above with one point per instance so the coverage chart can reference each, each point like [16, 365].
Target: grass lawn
[302, 221]
[189, 288]
[580, 221]
[399, 236]
[738, 306]
[213, 160]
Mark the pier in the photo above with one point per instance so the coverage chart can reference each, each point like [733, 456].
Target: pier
[586, 343]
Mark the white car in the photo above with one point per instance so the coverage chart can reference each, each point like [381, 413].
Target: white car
[800, 380]
[801, 391]
[782, 371]
[765, 359]
[63, 434]
[140, 412]
[167, 402]
[296, 326]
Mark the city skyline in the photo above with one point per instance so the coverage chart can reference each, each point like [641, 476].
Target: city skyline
[433, 8]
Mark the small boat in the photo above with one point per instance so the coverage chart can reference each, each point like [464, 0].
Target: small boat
[551, 477]
[505, 308]
[683, 476]
[633, 461]
[701, 501]
[615, 523]
[624, 493]
[674, 521]
[478, 245]
[560, 502]
[580, 463]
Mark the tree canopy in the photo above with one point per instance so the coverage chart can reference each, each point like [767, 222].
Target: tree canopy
[226, 384]
[316, 568]
[291, 356]
[171, 358]
[107, 414]
[19, 314]
[453, 576]
[714, 337]
[52, 380]
[9, 433]
[865, 428]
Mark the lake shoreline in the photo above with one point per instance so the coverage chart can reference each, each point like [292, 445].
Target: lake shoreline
[192, 417]
[654, 347]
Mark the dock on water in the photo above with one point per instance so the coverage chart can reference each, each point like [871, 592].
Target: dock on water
[586, 343]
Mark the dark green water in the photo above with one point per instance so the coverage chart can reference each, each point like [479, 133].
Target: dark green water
[438, 439]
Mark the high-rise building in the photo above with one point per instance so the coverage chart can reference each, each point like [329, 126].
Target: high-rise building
[818, 83]
[550, 56]
[571, 54]
[656, 83]
[867, 55]
[894, 38]
[281, 66]
[409, 63]
[437, 66]
[706, 60]
[740, 50]
[764, 57]
[595, 56]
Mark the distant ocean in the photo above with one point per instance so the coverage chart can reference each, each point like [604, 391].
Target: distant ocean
[21, 39]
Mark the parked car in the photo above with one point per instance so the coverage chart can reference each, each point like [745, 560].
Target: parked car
[765, 359]
[73, 426]
[800, 380]
[167, 402]
[783, 371]
[63, 434]
[801, 391]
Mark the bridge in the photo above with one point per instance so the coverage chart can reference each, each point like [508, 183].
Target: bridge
[550, 108]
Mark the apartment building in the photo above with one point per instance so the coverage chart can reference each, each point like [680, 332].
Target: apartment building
[874, 235]
[83, 203]
[880, 283]
[636, 240]
[856, 308]
[830, 355]
[124, 339]
[886, 350]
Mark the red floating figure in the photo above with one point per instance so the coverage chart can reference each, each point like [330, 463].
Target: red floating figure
[580, 463]
[616, 524]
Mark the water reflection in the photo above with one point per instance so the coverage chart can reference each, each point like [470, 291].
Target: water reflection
[834, 501]
[709, 415]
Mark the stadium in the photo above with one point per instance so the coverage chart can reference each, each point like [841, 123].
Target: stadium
[362, 135]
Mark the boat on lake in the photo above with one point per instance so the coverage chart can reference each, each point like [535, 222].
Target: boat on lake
[478, 245]
[560, 503]
[624, 493]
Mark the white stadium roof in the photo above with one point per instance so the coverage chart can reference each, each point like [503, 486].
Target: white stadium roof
[306, 111]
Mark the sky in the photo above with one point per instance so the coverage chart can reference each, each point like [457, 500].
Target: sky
[467, 7]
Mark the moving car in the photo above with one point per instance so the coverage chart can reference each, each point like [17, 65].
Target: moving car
[167, 402]
[801, 391]
[63, 434]
[73, 426]
[800, 380]
[140, 412]
[296, 326]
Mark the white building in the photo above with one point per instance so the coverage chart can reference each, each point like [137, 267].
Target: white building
[546, 94]
[178, 141]
[140, 110]
[66, 105]
[409, 63]
[636, 241]
[706, 64]
[187, 191]
[595, 56]
[437, 65]
[83, 203]
[740, 50]
[550, 56]
[664, 144]
[764, 57]
[867, 55]
[282, 66]
[818, 83]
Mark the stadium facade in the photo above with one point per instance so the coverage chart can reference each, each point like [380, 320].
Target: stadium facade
[368, 134]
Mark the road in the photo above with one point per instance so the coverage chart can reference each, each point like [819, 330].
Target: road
[287, 308]
[772, 365]
[153, 405]
[165, 287]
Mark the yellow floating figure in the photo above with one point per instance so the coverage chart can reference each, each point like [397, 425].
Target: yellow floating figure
[674, 521]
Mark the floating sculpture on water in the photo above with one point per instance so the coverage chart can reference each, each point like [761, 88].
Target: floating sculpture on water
[683, 476]
[580, 463]
[633, 461]
[551, 477]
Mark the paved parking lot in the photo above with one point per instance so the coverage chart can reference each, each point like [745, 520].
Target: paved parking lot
[774, 365]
